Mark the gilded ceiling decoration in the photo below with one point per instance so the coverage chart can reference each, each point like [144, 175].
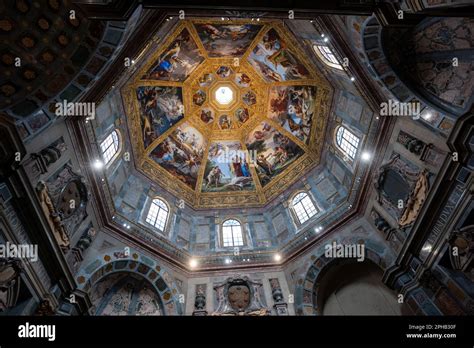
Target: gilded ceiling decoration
[227, 114]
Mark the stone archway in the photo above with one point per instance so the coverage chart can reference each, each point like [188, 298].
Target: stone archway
[125, 293]
[349, 287]
[305, 301]
[118, 261]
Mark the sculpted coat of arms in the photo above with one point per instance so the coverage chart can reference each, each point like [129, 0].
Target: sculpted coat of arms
[240, 296]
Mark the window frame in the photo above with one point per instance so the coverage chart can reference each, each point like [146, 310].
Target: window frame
[347, 148]
[303, 209]
[242, 238]
[327, 56]
[116, 142]
[156, 216]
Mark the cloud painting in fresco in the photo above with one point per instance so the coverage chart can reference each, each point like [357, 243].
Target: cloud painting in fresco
[275, 61]
[224, 40]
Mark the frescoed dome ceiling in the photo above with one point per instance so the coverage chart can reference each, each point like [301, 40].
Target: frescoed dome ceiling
[227, 114]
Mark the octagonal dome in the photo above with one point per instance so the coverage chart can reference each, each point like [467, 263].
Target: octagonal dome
[225, 115]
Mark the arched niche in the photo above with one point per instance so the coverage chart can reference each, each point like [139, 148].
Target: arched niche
[307, 288]
[121, 260]
[125, 293]
[348, 287]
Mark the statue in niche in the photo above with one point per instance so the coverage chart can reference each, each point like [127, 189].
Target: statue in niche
[52, 216]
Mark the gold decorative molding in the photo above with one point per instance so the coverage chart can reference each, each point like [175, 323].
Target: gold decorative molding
[238, 131]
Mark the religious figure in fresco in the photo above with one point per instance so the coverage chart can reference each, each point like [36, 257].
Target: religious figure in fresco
[293, 108]
[160, 109]
[181, 153]
[242, 80]
[207, 115]
[225, 122]
[227, 168]
[275, 151]
[178, 61]
[222, 40]
[223, 72]
[242, 114]
[275, 61]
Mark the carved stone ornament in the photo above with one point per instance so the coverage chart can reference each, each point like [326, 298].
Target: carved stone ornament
[10, 270]
[415, 200]
[239, 296]
[44, 309]
[462, 248]
[52, 216]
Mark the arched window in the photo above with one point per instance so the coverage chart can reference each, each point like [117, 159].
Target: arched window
[232, 233]
[157, 214]
[303, 207]
[347, 141]
[325, 54]
[110, 146]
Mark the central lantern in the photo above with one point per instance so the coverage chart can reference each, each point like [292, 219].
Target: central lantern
[227, 114]
[224, 95]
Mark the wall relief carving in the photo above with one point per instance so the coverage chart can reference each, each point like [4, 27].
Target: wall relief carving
[10, 270]
[402, 189]
[69, 195]
[52, 215]
[240, 296]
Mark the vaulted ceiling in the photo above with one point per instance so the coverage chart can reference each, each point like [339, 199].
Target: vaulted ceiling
[227, 114]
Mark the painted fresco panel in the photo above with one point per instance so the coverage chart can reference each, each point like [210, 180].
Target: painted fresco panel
[221, 40]
[160, 109]
[275, 61]
[178, 61]
[181, 154]
[227, 168]
[274, 151]
[293, 108]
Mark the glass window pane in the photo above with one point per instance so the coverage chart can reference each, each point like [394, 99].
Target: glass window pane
[109, 146]
[232, 233]
[327, 56]
[303, 207]
[347, 142]
[157, 214]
